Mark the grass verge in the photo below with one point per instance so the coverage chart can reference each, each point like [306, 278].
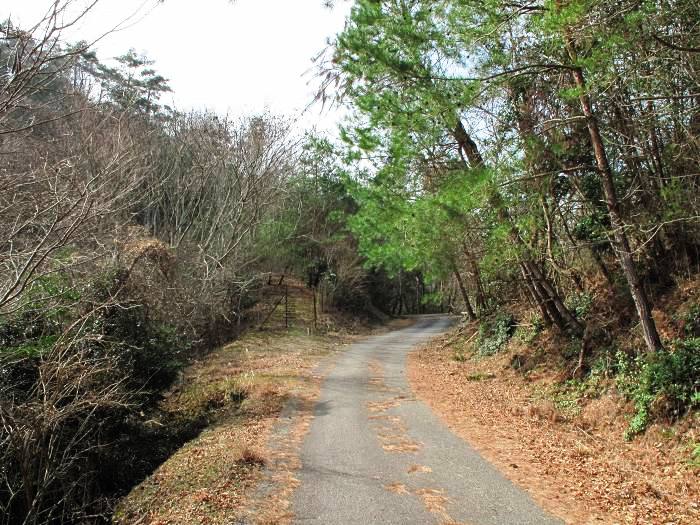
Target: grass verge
[240, 390]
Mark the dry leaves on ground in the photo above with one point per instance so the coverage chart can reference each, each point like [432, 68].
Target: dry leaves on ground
[580, 469]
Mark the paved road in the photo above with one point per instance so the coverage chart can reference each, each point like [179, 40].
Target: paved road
[376, 455]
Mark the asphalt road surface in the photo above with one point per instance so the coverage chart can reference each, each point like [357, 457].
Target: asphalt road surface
[376, 455]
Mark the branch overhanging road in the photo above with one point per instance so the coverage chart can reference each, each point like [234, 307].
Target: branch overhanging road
[376, 455]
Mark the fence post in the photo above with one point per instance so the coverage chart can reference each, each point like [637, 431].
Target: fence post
[314, 292]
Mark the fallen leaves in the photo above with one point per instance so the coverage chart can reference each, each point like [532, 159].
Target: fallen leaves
[579, 469]
[413, 469]
[397, 488]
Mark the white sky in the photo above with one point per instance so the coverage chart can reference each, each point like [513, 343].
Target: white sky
[231, 57]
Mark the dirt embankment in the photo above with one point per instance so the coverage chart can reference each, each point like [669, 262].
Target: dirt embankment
[242, 389]
[568, 452]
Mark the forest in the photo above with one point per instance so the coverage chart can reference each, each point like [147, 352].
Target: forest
[529, 165]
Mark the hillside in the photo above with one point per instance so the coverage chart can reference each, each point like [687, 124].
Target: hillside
[563, 436]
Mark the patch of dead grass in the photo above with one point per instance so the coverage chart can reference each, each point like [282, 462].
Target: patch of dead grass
[241, 389]
[400, 445]
[381, 406]
[435, 501]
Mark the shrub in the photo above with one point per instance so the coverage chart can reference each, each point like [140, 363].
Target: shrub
[579, 304]
[661, 384]
[495, 333]
[85, 384]
[74, 398]
[527, 333]
[694, 455]
[150, 351]
[690, 322]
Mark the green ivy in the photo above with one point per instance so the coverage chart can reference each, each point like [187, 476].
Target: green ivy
[495, 333]
[663, 383]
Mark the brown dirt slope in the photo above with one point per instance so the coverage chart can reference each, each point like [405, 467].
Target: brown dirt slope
[568, 452]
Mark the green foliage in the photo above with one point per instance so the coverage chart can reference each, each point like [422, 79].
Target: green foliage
[480, 376]
[37, 325]
[571, 350]
[528, 332]
[694, 461]
[661, 384]
[606, 362]
[568, 396]
[690, 321]
[674, 195]
[494, 333]
[151, 352]
[579, 304]
[133, 85]
[51, 294]
[32, 348]
[591, 227]
[459, 354]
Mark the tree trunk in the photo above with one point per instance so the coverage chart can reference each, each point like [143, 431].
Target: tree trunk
[467, 305]
[553, 296]
[622, 246]
[558, 312]
[468, 146]
[602, 267]
[545, 299]
[536, 298]
[480, 294]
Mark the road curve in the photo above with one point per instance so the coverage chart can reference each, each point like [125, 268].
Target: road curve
[376, 455]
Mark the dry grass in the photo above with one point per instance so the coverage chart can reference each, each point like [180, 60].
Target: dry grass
[241, 389]
[399, 444]
[435, 501]
[397, 488]
[378, 407]
[253, 456]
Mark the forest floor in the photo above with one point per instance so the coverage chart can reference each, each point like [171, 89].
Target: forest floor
[566, 449]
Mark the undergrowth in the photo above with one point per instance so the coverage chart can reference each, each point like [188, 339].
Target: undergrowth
[528, 332]
[663, 384]
[494, 333]
[579, 304]
[568, 396]
[694, 460]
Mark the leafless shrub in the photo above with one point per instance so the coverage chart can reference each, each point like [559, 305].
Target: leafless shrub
[51, 432]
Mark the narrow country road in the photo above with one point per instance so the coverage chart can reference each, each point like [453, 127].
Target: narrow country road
[376, 455]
